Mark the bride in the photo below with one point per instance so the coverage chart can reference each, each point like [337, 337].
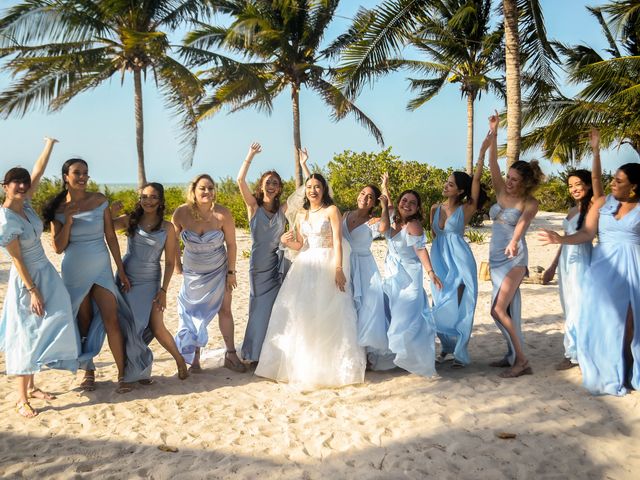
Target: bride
[312, 338]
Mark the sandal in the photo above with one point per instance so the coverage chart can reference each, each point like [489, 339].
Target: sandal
[26, 410]
[515, 371]
[503, 363]
[42, 395]
[566, 364]
[88, 383]
[442, 357]
[236, 367]
[146, 381]
[123, 387]
[457, 364]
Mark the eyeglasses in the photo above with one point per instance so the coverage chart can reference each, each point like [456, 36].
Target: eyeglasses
[149, 197]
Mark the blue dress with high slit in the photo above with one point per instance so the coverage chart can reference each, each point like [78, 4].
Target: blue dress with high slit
[142, 267]
[454, 264]
[87, 263]
[366, 283]
[612, 288]
[204, 274]
[504, 224]
[412, 330]
[267, 267]
[572, 269]
[29, 341]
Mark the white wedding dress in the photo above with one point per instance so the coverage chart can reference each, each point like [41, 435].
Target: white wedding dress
[312, 338]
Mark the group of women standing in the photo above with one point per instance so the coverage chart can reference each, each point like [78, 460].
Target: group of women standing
[322, 319]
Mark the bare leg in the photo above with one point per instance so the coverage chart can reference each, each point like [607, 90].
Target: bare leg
[195, 364]
[166, 340]
[225, 320]
[35, 392]
[500, 313]
[85, 315]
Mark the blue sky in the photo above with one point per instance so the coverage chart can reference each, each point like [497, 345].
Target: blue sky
[99, 125]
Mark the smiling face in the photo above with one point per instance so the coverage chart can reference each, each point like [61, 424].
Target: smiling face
[205, 191]
[78, 176]
[577, 188]
[451, 189]
[621, 187]
[514, 182]
[16, 189]
[150, 199]
[271, 186]
[408, 205]
[366, 199]
[314, 190]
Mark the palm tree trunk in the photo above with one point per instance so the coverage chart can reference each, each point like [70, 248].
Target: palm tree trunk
[512, 61]
[137, 83]
[297, 143]
[470, 100]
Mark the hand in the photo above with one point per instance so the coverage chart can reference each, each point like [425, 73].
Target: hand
[69, 211]
[287, 237]
[436, 281]
[51, 140]
[384, 181]
[115, 208]
[486, 143]
[37, 302]
[254, 149]
[303, 154]
[125, 285]
[548, 237]
[494, 122]
[594, 139]
[341, 280]
[511, 250]
[384, 201]
[231, 282]
[160, 300]
[548, 275]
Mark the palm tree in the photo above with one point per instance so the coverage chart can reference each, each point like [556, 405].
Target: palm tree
[280, 43]
[609, 99]
[378, 35]
[60, 48]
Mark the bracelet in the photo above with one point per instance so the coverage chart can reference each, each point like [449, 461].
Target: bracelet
[430, 271]
[231, 272]
[162, 288]
[33, 287]
[338, 268]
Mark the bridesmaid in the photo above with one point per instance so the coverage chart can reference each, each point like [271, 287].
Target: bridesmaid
[609, 325]
[411, 332]
[453, 262]
[80, 224]
[359, 229]
[508, 256]
[149, 236]
[585, 187]
[36, 327]
[267, 265]
[209, 272]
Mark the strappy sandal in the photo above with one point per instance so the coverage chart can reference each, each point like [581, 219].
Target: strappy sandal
[25, 410]
[146, 381]
[41, 394]
[236, 367]
[88, 383]
[123, 387]
[525, 369]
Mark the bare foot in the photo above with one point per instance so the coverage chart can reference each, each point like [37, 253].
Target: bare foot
[232, 362]
[517, 370]
[195, 368]
[26, 410]
[37, 393]
[565, 364]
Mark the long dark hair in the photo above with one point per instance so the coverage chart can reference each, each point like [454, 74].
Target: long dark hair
[17, 174]
[585, 203]
[376, 194]
[258, 194]
[464, 182]
[49, 209]
[398, 220]
[326, 198]
[138, 211]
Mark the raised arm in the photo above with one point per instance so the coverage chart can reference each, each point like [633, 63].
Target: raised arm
[229, 231]
[384, 187]
[112, 242]
[586, 234]
[41, 165]
[36, 300]
[303, 155]
[336, 228]
[596, 167]
[496, 177]
[247, 196]
[385, 222]
[472, 206]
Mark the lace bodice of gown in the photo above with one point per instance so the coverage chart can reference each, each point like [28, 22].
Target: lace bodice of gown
[317, 232]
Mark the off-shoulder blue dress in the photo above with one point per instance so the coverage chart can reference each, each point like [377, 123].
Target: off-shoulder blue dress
[454, 264]
[611, 290]
[142, 267]
[87, 263]
[29, 341]
[504, 224]
[204, 267]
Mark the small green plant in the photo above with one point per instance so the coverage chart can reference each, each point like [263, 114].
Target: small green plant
[246, 253]
[475, 236]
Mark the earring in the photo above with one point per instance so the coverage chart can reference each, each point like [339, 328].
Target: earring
[632, 194]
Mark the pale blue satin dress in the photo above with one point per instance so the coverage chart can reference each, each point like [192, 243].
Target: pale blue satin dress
[612, 287]
[572, 270]
[87, 263]
[267, 267]
[29, 341]
[366, 283]
[412, 330]
[504, 224]
[142, 267]
[204, 267]
[454, 264]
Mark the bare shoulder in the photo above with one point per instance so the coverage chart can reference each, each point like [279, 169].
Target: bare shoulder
[221, 210]
[180, 211]
[168, 226]
[333, 210]
[414, 227]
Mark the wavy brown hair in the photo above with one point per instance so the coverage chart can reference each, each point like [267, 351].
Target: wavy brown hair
[258, 194]
[136, 214]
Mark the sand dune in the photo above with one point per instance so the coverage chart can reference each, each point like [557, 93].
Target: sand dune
[396, 425]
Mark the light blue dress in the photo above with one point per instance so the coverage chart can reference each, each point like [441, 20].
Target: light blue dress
[87, 263]
[454, 264]
[366, 283]
[504, 224]
[204, 267]
[572, 269]
[267, 266]
[29, 341]
[412, 330]
[612, 287]
[142, 267]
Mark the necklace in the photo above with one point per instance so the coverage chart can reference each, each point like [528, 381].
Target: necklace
[317, 209]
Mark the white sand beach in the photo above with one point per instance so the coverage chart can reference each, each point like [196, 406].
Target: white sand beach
[396, 425]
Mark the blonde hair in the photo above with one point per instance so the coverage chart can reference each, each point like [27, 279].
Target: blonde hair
[191, 195]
